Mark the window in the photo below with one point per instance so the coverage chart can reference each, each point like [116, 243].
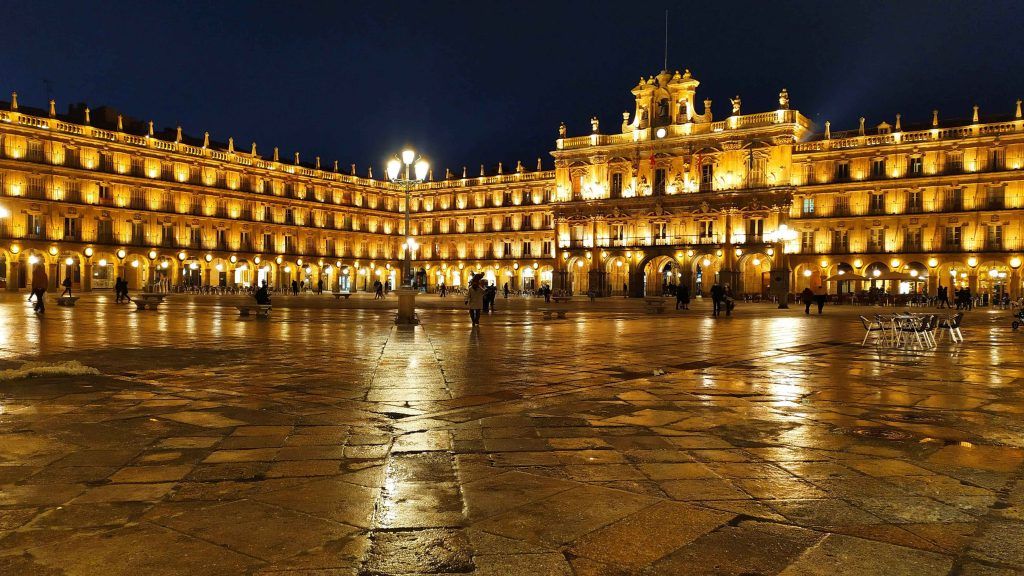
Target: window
[912, 239]
[954, 162]
[994, 238]
[995, 198]
[548, 248]
[706, 229]
[660, 230]
[954, 236]
[105, 231]
[877, 205]
[842, 171]
[33, 226]
[244, 242]
[507, 199]
[195, 237]
[289, 244]
[841, 207]
[878, 168]
[659, 182]
[997, 159]
[268, 214]
[807, 241]
[577, 184]
[527, 249]
[755, 230]
[506, 223]
[549, 195]
[618, 232]
[916, 166]
[954, 200]
[71, 228]
[289, 216]
[914, 203]
[104, 194]
[808, 171]
[840, 241]
[507, 249]
[167, 236]
[268, 242]
[876, 240]
[138, 233]
[616, 190]
[222, 238]
[808, 206]
[549, 220]
[329, 247]
[707, 176]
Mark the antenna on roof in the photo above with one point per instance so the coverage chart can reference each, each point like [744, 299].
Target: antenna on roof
[666, 40]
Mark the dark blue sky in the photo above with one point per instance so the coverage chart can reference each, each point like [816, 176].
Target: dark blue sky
[478, 82]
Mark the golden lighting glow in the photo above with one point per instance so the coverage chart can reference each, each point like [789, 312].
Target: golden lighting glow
[69, 261]
[857, 263]
[53, 250]
[135, 263]
[233, 259]
[895, 263]
[707, 262]
[579, 263]
[121, 253]
[208, 257]
[807, 273]
[972, 261]
[1015, 262]
[932, 262]
[823, 263]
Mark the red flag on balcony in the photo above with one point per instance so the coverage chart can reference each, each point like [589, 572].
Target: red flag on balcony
[652, 160]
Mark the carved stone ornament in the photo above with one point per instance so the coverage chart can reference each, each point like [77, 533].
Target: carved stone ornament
[704, 206]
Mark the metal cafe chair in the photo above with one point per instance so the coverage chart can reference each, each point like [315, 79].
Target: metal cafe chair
[873, 327]
[952, 324]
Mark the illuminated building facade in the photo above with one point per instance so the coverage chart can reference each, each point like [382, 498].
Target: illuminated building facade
[762, 202]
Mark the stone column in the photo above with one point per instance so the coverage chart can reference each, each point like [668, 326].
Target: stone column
[52, 281]
[86, 276]
[781, 275]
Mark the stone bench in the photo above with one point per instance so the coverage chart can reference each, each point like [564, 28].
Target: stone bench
[148, 301]
[338, 295]
[555, 310]
[258, 309]
[67, 300]
[655, 305]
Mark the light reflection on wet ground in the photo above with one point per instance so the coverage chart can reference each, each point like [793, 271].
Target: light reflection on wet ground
[611, 442]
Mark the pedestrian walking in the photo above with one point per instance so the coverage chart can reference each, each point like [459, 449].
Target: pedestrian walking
[442, 290]
[820, 296]
[67, 286]
[378, 290]
[475, 299]
[320, 286]
[490, 294]
[727, 300]
[943, 297]
[716, 299]
[39, 282]
[505, 290]
[807, 298]
[295, 288]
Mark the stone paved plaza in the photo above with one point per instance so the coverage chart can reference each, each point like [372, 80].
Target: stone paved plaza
[326, 441]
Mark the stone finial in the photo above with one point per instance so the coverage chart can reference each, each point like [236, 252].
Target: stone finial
[828, 130]
[53, 108]
[370, 172]
[253, 150]
[974, 116]
[899, 127]
[88, 118]
[177, 135]
[14, 101]
[353, 168]
[430, 175]
[277, 155]
[935, 118]
[120, 123]
[500, 171]
[463, 171]
[335, 166]
[1017, 113]
[735, 105]
[231, 145]
[861, 129]
[686, 74]
[561, 128]
[150, 128]
[317, 162]
[625, 121]
[206, 139]
[519, 166]
[784, 99]
[447, 174]
[595, 124]
[481, 169]
[296, 158]
[538, 165]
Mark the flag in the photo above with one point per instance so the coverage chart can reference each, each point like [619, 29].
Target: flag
[652, 160]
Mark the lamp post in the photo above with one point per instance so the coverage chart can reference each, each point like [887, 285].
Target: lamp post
[415, 172]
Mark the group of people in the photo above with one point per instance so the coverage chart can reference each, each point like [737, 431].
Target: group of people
[380, 289]
[816, 296]
[722, 298]
[962, 298]
[121, 291]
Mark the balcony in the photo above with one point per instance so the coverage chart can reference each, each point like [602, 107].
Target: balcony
[994, 245]
[912, 246]
[876, 247]
[840, 247]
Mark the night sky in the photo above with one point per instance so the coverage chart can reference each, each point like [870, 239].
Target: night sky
[479, 82]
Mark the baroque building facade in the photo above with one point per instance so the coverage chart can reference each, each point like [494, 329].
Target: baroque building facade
[761, 202]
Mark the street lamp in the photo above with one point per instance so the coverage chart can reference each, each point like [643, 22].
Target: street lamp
[780, 276]
[415, 172]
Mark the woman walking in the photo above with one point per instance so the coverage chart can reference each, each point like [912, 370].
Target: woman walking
[475, 299]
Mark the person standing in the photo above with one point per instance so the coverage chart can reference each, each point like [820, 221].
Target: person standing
[505, 290]
[39, 282]
[490, 295]
[441, 290]
[263, 294]
[943, 297]
[683, 297]
[727, 300]
[716, 299]
[295, 288]
[320, 286]
[547, 292]
[475, 300]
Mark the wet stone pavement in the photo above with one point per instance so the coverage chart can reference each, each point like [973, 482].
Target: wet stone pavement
[327, 441]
